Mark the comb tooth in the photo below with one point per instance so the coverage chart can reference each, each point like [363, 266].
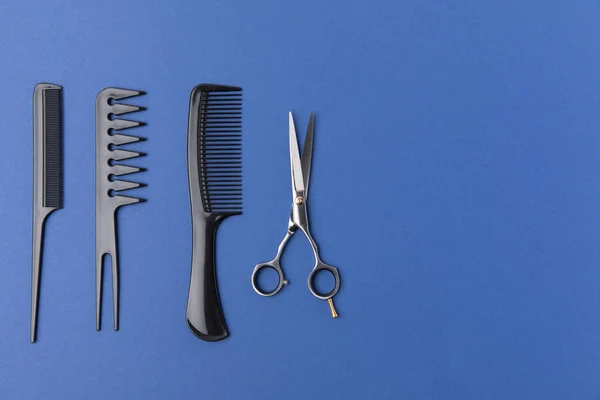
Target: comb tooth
[225, 179]
[212, 96]
[220, 135]
[216, 120]
[219, 148]
[118, 139]
[221, 151]
[119, 169]
[218, 111]
[223, 191]
[228, 168]
[223, 187]
[221, 111]
[219, 131]
[211, 191]
[232, 198]
[223, 103]
[225, 144]
[216, 174]
[221, 176]
[220, 120]
[119, 124]
[220, 141]
[119, 94]
[213, 162]
[219, 126]
[119, 109]
[231, 163]
[232, 91]
[221, 169]
[119, 185]
[233, 172]
[119, 154]
[221, 158]
[216, 125]
[125, 200]
[223, 162]
[222, 130]
[212, 142]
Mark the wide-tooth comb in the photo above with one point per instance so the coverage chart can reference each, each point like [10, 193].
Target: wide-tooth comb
[108, 152]
[47, 175]
[215, 181]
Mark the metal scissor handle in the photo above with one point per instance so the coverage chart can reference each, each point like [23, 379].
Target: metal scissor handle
[321, 266]
[274, 264]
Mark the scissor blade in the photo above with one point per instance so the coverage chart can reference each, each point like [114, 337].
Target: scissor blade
[295, 164]
[307, 153]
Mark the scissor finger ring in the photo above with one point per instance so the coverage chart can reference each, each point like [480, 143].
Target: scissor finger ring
[261, 267]
[311, 281]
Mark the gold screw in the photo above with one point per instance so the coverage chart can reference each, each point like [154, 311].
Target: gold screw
[334, 313]
[299, 200]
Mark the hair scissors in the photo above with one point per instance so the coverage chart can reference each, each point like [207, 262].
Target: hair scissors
[299, 220]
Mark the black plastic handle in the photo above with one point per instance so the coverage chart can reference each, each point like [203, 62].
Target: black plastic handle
[204, 314]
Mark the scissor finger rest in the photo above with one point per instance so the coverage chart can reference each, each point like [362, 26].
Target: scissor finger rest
[261, 267]
[311, 281]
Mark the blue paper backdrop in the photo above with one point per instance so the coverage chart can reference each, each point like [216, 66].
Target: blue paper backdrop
[455, 184]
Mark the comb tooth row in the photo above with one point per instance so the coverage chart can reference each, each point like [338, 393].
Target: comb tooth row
[220, 151]
[53, 163]
[116, 139]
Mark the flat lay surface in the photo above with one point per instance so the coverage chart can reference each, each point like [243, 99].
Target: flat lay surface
[455, 185]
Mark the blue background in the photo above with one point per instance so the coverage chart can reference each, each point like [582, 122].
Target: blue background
[455, 184]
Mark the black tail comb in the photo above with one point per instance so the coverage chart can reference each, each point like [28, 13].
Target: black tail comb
[47, 175]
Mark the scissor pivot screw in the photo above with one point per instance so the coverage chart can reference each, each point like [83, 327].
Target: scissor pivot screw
[299, 200]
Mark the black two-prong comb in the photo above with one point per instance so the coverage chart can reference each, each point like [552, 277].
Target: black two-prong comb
[215, 181]
[109, 182]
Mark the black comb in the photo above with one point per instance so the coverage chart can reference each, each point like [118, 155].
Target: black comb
[215, 181]
[47, 175]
